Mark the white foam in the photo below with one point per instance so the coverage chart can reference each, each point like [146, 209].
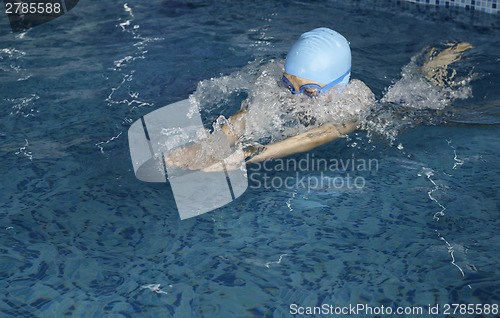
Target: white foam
[274, 114]
[416, 91]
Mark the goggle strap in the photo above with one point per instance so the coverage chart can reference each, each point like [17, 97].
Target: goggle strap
[335, 82]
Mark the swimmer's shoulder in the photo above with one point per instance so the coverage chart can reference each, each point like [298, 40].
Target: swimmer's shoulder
[360, 87]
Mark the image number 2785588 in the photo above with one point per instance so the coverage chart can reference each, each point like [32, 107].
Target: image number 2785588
[25, 14]
[33, 8]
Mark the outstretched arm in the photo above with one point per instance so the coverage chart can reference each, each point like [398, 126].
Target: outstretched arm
[196, 156]
[189, 157]
[304, 142]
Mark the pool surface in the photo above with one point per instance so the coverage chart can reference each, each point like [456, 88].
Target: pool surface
[405, 215]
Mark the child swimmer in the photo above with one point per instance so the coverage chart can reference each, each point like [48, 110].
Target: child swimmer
[318, 65]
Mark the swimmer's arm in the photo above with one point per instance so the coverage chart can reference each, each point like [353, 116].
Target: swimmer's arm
[304, 142]
[188, 157]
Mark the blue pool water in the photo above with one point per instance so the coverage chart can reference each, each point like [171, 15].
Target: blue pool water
[81, 236]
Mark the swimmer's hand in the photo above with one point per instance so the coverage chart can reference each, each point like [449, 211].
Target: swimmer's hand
[209, 154]
[195, 157]
[188, 158]
[436, 69]
[202, 155]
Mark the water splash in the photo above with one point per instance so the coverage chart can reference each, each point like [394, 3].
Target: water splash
[458, 162]
[428, 81]
[24, 106]
[101, 144]
[428, 85]
[155, 288]
[427, 88]
[44, 149]
[272, 113]
[268, 264]
[25, 151]
[8, 58]
[263, 263]
[429, 173]
[122, 94]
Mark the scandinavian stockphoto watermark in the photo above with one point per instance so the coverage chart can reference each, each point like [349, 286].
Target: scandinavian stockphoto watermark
[311, 173]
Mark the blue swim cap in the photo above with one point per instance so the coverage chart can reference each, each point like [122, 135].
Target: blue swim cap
[321, 55]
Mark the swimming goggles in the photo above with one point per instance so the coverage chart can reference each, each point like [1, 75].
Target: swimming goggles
[314, 90]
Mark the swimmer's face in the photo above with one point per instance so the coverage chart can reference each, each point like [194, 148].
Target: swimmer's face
[298, 85]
